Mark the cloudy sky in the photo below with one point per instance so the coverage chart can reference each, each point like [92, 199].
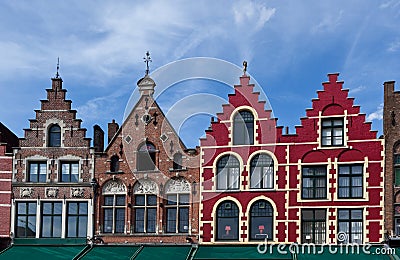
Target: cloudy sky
[290, 47]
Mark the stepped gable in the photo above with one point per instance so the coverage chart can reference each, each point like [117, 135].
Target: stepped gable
[56, 109]
[243, 97]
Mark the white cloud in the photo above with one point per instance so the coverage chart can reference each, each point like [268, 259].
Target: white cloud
[357, 89]
[328, 23]
[377, 115]
[252, 15]
[394, 46]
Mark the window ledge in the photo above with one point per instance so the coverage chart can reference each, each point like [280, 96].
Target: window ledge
[261, 189]
[178, 170]
[118, 172]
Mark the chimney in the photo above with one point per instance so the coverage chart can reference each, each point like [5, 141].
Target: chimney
[98, 139]
[112, 129]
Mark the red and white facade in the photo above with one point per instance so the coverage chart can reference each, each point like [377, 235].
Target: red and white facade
[323, 184]
[8, 140]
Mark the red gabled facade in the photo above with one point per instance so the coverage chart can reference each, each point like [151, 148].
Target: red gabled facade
[323, 184]
[8, 140]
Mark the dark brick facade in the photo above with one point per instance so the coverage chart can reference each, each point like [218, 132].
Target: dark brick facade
[53, 164]
[391, 131]
[121, 171]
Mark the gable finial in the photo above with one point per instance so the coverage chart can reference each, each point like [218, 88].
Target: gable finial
[244, 67]
[58, 68]
[147, 59]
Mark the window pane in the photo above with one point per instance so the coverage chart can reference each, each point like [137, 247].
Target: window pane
[120, 200]
[72, 223]
[108, 200]
[139, 220]
[184, 199]
[222, 179]
[119, 220]
[171, 199]
[46, 226]
[108, 221]
[171, 220]
[183, 220]
[82, 228]
[234, 178]
[255, 180]
[140, 200]
[22, 208]
[57, 208]
[151, 220]
[72, 208]
[151, 200]
[47, 208]
[75, 172]
[83, 208]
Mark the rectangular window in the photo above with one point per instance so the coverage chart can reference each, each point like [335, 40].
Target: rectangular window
[178, 213]
[313, 226]
[396, 163]
[37, 172]
[77, 218]
[145, 213]
[314, 182]
[114, 214]
[69, 171]
[350, 222]
[332, 132]
[51, 219]
[397, 226]
[351, 181]
[26, 219]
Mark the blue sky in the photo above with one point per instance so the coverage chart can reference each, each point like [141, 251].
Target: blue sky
[290, 47]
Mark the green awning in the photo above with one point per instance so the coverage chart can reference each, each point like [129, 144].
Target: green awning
[41, 252]
[120, 252]
[164, 253]
[344, 252]
[241, 252]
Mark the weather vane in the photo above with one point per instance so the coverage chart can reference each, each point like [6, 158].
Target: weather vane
[147, 59]
[58, 67]
[244, 67]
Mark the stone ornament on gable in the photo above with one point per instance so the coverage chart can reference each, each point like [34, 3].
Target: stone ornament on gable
[177, 186]
[145, 187]
[26, 192]
[77, 192]
[112, 187]
[51, 192]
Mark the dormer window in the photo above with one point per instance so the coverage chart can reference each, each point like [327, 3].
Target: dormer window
[243, 128]
[114, 164]
[55, 136]
[146, 157]
[177, 165]
[332, 132]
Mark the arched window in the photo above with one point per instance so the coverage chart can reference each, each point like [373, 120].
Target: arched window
[114, 206]
[227, 221]
[177, 192]
[262, 172]
[114, 164]
[145, 206]
[228, 171]
[261, 220]
[146, 157]
[243, 128]
[177, 165]
[55, 136]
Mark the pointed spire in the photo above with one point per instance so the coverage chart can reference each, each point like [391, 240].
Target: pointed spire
[147, 59]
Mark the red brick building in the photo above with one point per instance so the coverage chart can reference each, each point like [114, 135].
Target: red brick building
[8, 140]
[323, 184]
[52, 171]
[147, 179]
[391, 130]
